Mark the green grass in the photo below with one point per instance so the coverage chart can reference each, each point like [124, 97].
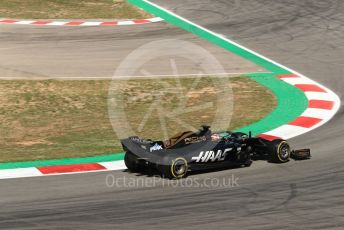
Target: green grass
[60, 119]
[69, 9]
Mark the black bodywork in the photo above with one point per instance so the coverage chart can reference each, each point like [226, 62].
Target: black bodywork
[201, 150]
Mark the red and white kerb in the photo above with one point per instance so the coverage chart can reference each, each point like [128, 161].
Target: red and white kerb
[322, 106]
[79, 22]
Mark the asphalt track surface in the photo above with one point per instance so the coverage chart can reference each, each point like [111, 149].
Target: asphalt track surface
[304, 35]
[47, 52]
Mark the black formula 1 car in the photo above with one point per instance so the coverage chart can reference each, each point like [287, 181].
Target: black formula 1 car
[204, 150]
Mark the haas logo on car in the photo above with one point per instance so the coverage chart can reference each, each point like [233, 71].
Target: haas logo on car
[206, 156]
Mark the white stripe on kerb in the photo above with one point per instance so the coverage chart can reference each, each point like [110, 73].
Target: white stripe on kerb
[24, 22]
[287, 131]
[126, 23]
[322, 114]
[298, 80]
[318, 96]
[157, 19]
[56, 23]
[114, 165]
[19, 172]
[91, 23]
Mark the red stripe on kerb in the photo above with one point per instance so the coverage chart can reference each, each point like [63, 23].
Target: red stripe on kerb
[109, 23]
[320, 104]
[8, 21]
[287, 76]
[310, 88]
[74, 23]
[306, 122]
[40, 23]
[268, 137]
[70, 168]
[140, 21]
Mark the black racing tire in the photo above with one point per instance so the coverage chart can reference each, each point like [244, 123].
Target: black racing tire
[132, 162]
[248, 163]
[279, 151]
[176, 170]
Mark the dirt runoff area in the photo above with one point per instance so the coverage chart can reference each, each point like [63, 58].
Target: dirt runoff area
[53, 119]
